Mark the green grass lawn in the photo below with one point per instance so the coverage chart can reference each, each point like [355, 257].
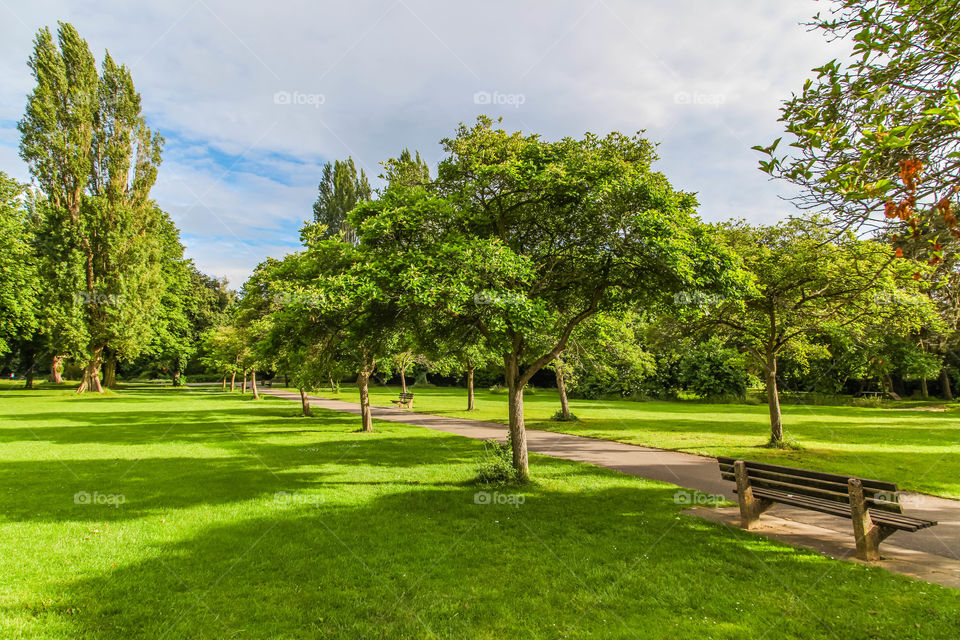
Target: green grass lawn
[920, 450]
[167, 513]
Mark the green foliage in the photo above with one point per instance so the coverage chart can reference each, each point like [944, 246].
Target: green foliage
[407, 170]
[223, 349]
[191, 305]
[607, 356]
[809, 278]
[496, 466]
[523, 239]
[20, 282]
[711, 369]
[95, 160]
[856, 124]
[559, 416]
[340, 190]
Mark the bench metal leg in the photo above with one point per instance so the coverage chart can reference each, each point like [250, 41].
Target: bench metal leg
[750, 507]
[868, 534]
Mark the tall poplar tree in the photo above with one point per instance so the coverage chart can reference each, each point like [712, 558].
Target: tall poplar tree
[341, 188]
[91, 153]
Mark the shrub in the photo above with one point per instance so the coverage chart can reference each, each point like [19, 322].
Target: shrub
[496, 466]
[870, 403]
[712, 369]
[559, 417]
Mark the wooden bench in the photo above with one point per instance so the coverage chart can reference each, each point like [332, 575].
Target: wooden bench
[872, 505]
[405, 401]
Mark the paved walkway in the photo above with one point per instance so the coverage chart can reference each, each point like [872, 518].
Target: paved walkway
[932, 554]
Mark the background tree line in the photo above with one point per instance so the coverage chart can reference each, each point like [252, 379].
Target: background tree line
[522, 261]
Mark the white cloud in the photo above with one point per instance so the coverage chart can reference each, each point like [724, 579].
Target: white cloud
[241, 170]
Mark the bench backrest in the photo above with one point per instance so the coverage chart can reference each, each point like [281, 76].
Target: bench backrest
[406, 396]
[815, 484]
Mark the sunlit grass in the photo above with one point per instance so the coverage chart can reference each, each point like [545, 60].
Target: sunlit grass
[920, 450]
[201, 514]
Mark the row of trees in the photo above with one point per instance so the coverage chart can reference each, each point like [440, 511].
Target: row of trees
[572, 255]
[504, 255]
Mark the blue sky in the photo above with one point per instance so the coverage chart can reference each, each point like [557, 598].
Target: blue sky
[253, 98]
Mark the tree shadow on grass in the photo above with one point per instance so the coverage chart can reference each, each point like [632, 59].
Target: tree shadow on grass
[612, 562]
[145, 426]
[67, 489]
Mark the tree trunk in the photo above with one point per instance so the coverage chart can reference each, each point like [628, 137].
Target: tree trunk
[56, 369]
[403, 380]
[305, 403]
[253, 384]
[773, 400]
[333, 388]
[110, 372]
[243, 389]
[223, 383]
[893, 394]
[29, 354]
[518, 434]
[946, 391]
[562, 390]
[233, 380]
[363, 383]
[924, 391]
[91, 374]
[470, 404]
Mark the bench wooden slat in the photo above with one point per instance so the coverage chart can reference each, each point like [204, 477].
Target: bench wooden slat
[897, 521]
[901, 522]
[883, 503]
[792, 478]
[805, 473]
[828, 485]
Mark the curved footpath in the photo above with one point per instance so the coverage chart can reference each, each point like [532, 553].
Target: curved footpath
[931, 554]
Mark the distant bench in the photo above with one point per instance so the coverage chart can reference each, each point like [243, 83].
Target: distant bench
[874, 506]
[405, 401]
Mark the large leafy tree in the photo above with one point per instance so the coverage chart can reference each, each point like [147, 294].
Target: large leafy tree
[807, 278]
[340, 310]
[223, 350]
[253, 317]
[305, 346]
[525, 239]
[341, 189]
[20, 283]
[606, 355]
[192, 304]
[94, 158]
[876, 138]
